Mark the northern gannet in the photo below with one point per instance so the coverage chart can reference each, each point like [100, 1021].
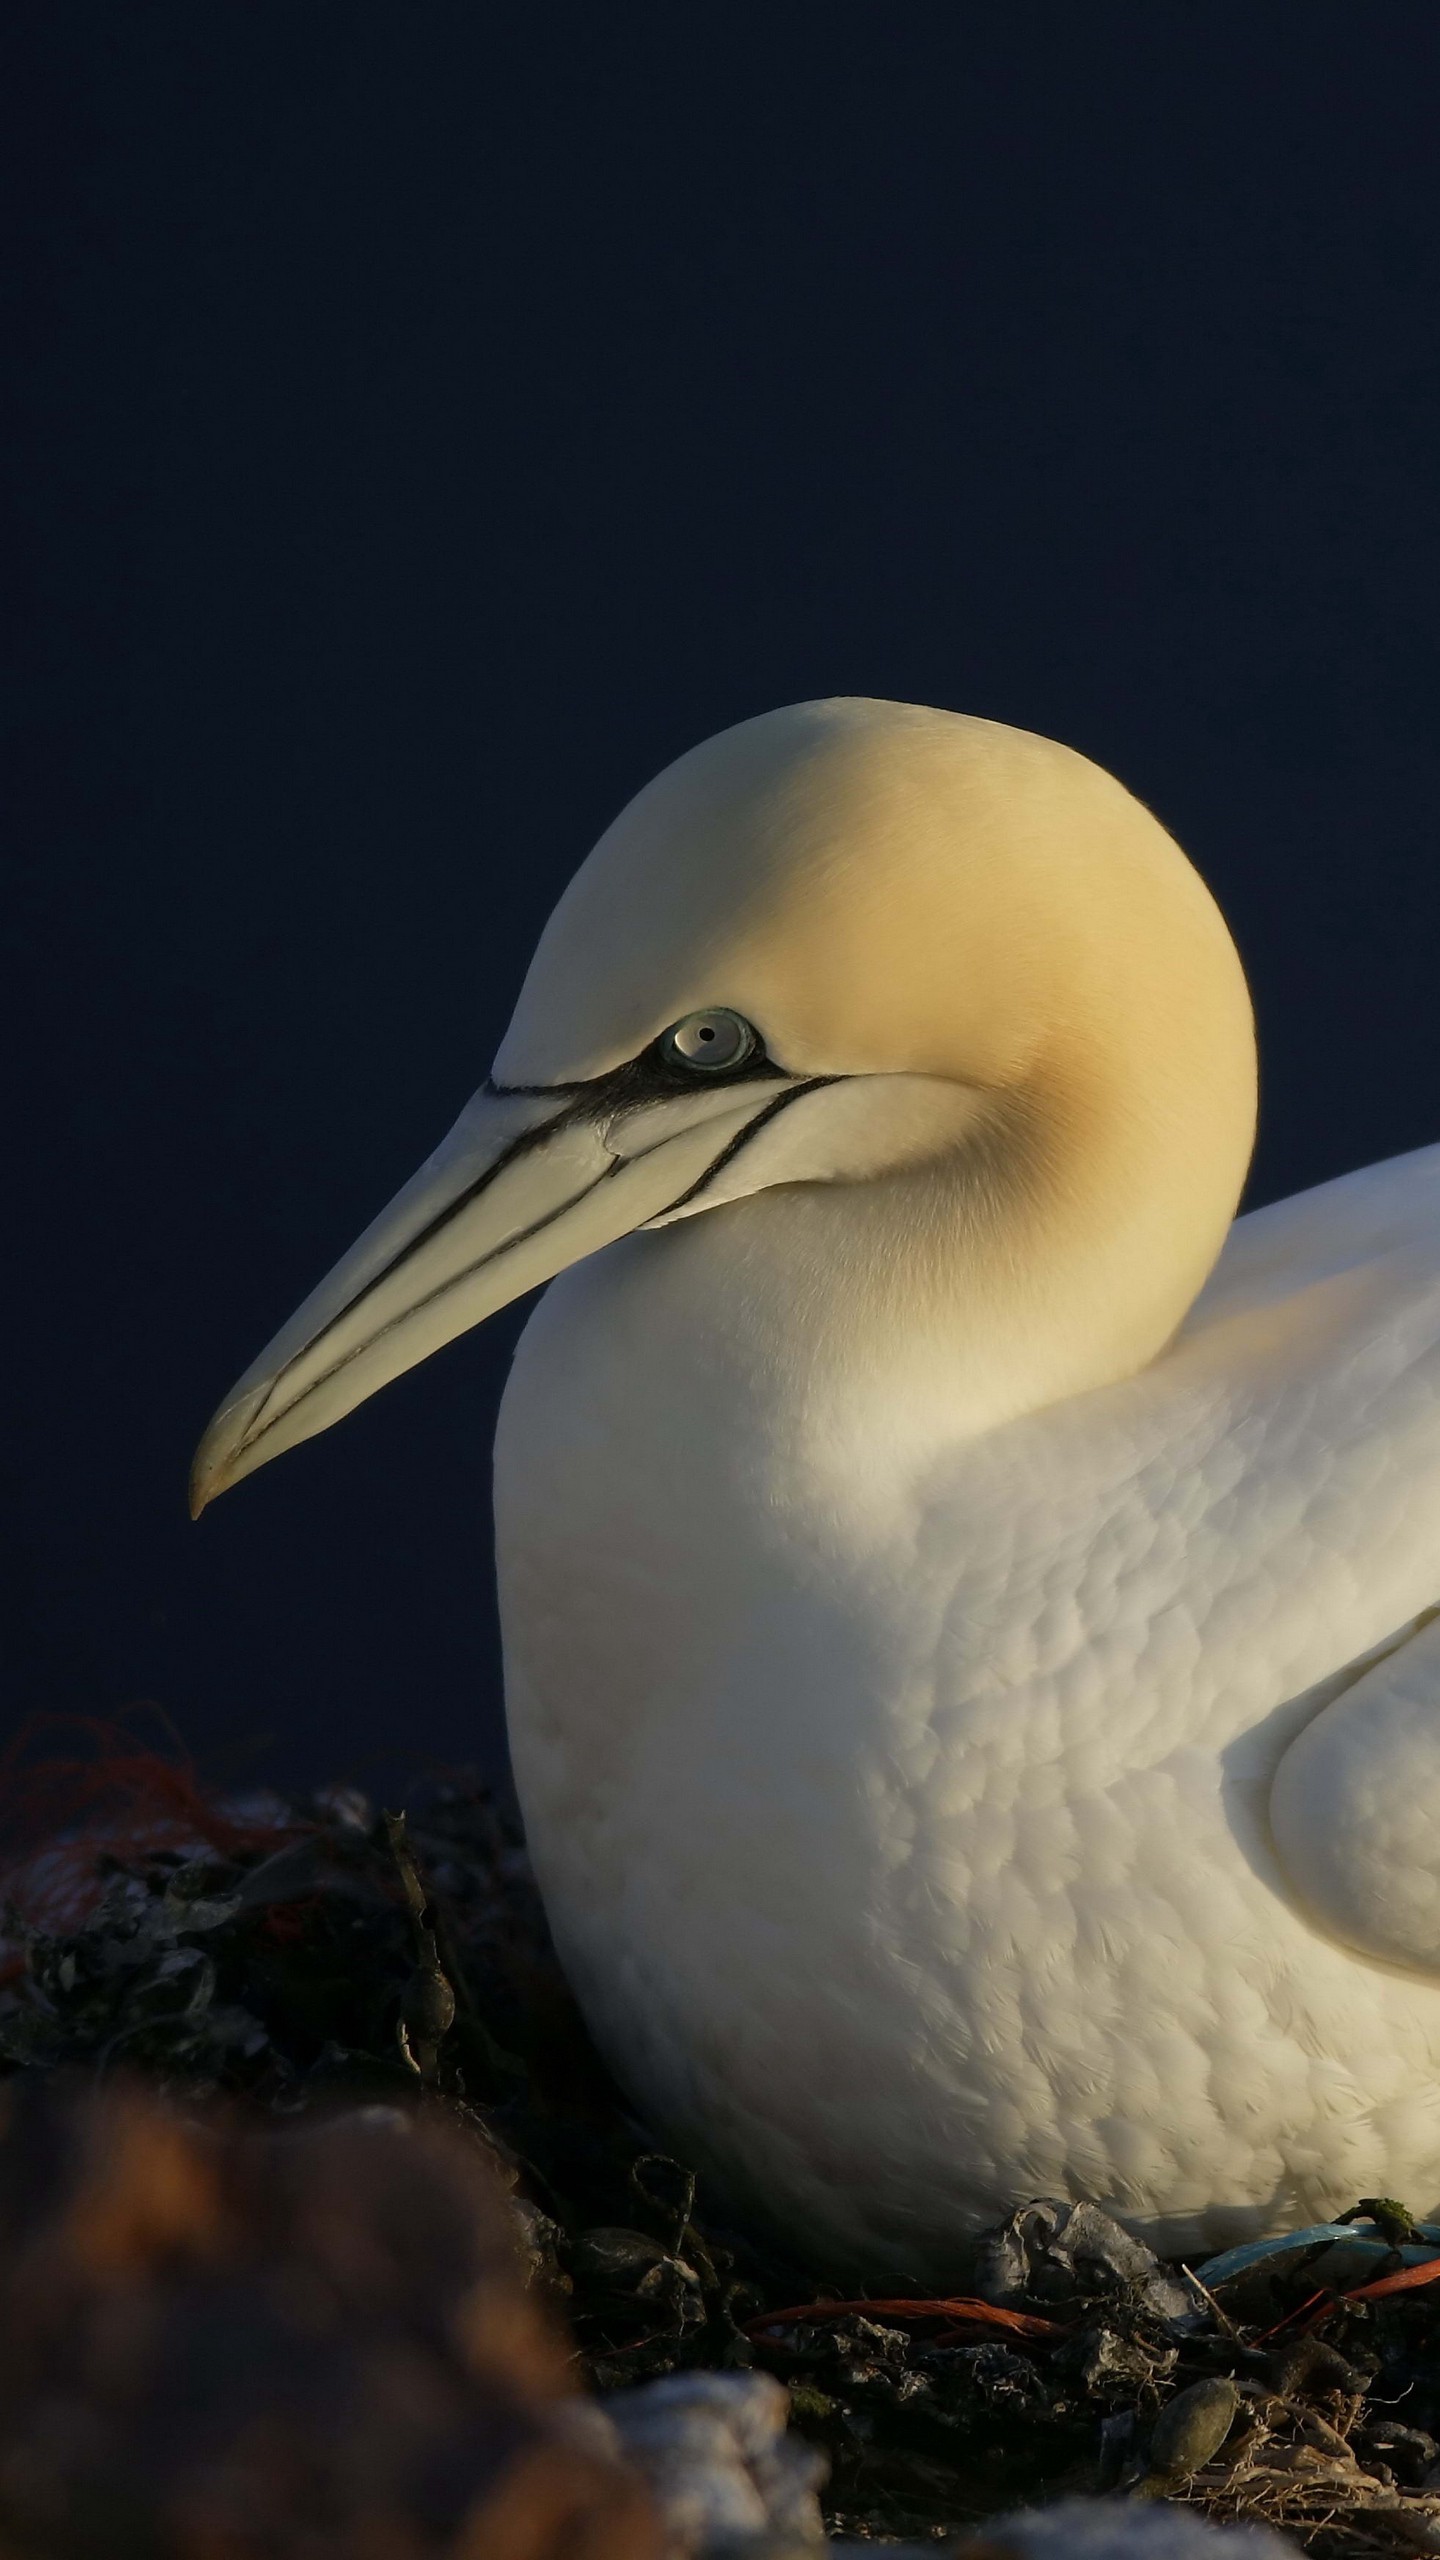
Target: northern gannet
[972, 1657]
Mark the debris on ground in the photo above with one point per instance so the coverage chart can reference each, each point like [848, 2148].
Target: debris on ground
[303, 1957]
[1064, 2253]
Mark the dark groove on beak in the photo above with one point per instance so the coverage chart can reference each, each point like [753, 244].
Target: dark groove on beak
[522, 1236]
[590, 1102]
[527, 1139]
[742, 1139]
[630, 1083]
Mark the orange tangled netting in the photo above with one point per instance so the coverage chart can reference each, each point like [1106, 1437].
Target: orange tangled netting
[69, 1816]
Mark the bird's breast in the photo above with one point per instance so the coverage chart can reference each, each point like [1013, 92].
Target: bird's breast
[901, 1816]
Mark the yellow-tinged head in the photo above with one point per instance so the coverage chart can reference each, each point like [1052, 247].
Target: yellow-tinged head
[892, 938]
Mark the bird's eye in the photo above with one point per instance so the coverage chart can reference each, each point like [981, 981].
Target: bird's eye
[710, 1041]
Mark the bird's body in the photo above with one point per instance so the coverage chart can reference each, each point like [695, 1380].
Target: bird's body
[967, 1606]
[903, 1814]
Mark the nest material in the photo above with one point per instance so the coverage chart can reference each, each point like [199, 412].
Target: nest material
[300, 1957]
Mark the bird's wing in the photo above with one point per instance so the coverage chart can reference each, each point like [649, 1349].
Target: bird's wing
[1355, 1807]
[1361, 1219]
[1207, 1554]
[1355, 1802]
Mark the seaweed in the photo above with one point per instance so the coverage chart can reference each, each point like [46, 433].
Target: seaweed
[314, 1954]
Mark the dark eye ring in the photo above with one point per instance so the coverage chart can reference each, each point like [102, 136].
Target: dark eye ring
[711, 1042]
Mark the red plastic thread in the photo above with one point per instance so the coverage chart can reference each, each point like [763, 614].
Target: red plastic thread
[985, 2315]
[1405, 2280]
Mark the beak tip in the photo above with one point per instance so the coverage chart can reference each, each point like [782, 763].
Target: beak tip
[210, 1473]
[226, 1451]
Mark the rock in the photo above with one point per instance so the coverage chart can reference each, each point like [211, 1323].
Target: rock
[728, 2481]
[1189, 2430]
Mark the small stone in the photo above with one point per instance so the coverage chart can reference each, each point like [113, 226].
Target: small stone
[614, 2255]
[714, 2453]
[1190, 2431]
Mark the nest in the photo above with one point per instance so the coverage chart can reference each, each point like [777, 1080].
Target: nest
[302, 1957]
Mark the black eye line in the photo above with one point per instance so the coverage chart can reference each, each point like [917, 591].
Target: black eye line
[651, 1076]
[658, 1071]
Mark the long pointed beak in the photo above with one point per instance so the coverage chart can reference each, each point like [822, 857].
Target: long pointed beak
[525, 1184]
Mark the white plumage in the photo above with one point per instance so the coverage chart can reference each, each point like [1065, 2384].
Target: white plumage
[976, 1740]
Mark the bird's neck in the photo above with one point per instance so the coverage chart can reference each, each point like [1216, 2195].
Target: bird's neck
[818, 1344]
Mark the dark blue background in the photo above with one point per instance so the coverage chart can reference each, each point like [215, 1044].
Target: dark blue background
[423, 422]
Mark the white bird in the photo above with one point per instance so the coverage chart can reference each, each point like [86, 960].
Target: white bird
[969, 1609]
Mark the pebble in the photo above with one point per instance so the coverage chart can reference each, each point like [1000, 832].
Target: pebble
[713, 2451]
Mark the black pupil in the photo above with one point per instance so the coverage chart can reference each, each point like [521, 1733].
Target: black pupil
[727, 1040]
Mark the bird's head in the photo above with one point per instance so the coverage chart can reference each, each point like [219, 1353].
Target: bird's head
[839, 940]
